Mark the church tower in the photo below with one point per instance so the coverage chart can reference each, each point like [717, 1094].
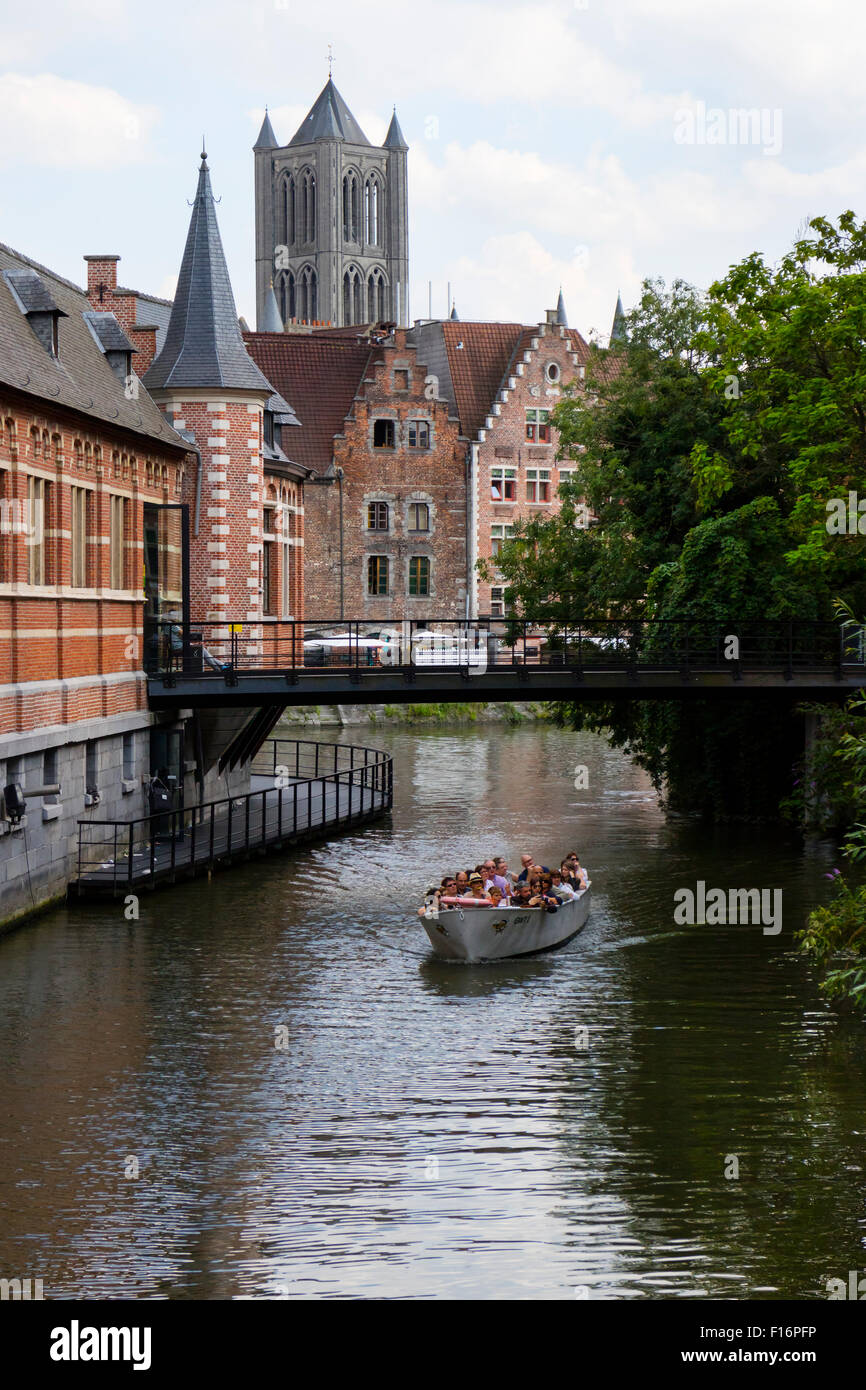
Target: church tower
[332, 220]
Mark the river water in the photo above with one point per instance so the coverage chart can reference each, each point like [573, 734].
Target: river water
[435, 1130]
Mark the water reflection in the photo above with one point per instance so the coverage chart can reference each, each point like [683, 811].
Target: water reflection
[431, 1129]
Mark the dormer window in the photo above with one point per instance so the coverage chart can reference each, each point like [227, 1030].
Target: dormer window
[112, 343]
[268, 428]
[35, 301]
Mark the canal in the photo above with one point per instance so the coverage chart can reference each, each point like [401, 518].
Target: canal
[265, 1087]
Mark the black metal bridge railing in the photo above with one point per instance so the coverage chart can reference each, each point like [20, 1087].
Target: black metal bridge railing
[313, 788]
[225, 651]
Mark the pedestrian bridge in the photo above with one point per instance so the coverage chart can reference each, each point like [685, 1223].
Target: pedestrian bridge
[275, 662]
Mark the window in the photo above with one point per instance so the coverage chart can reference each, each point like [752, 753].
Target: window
[537, 426]
[499, 532]
[503, 484]
[377, 574]
[538, 484]
[78, 527]
[497, 602]
[419, 516]
[49, 767]
[376, 302]
[419, 576]
[350, 207]
[352, 299]
[118, 542]
[5, 525]
[377, 516]
[383, 434]
[371, 212]
[268, 428]
[401, 379]
[268, 548]
[566, 475]
[91, 763]
[552, 372]
[37, 497]
[128, 757]
[419, 434]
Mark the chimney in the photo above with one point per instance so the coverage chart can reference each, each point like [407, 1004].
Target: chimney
[144, 337]
[101, 280]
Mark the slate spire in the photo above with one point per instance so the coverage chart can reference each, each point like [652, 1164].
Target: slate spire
[617, 332]
[394, 139]
[203, 344]
[271, 320]
[329, 118]
[267, 139]
[560, 310]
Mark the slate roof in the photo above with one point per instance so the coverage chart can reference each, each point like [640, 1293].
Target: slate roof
[321, 377]
[561, 316]
[203, 344]
[329, 118]
[617, 332]
[271, 320]
[394, 139]
[81, 377]
[267, 139]
[109, 334]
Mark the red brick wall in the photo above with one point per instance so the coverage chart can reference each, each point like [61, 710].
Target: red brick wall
[506, 444]
[52, 632]
[396, 476]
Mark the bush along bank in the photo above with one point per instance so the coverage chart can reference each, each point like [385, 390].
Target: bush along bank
[835, 934]
[384, 716]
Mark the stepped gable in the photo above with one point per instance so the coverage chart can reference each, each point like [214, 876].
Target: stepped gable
[321, 375]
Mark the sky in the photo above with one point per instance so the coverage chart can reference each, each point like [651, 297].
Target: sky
[585, 144]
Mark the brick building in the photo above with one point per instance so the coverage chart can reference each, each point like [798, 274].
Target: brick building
[386, 536]
[109, 477]
[83, 453]
[502, 380]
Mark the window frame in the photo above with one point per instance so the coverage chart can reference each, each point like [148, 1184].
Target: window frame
[420, 427]
[78, 537]
[536, 479]
[537, 425]
[418, 530]
[421, 565]
[377, 504]
[380, 566]
[505, 476]
[390, 428]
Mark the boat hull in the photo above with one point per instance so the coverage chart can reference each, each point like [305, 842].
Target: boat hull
[499, 933]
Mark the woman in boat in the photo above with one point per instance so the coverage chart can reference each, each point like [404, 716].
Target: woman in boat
[540, 898]
[561, 888]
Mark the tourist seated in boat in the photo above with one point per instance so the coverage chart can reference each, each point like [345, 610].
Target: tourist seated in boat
[561, 888]
[496, 896]
[576, 871]
[462, 880]
[530, 869]
[499, 877]
[539, 898]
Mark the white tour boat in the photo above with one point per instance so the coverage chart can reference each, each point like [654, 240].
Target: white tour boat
[495, 933]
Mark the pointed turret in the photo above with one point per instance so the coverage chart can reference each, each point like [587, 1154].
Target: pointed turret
[560, 310]
[394, 139]
[454, 314]
[329, 118]
[271, 321]
[267, 139]
[203, 344]
[617, 332]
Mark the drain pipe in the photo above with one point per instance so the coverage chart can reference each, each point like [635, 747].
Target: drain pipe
[339, 473]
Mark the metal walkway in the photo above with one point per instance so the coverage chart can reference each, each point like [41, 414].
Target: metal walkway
[120, 857]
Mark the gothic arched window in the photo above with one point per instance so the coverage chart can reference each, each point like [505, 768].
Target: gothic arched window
[350, 206]
[373, 238]
[308, 295]
[288, 219]
[377, 308]
[286, 294]
[353, 311]
[308, 205]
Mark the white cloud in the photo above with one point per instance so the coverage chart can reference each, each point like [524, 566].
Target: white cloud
[51, 121]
